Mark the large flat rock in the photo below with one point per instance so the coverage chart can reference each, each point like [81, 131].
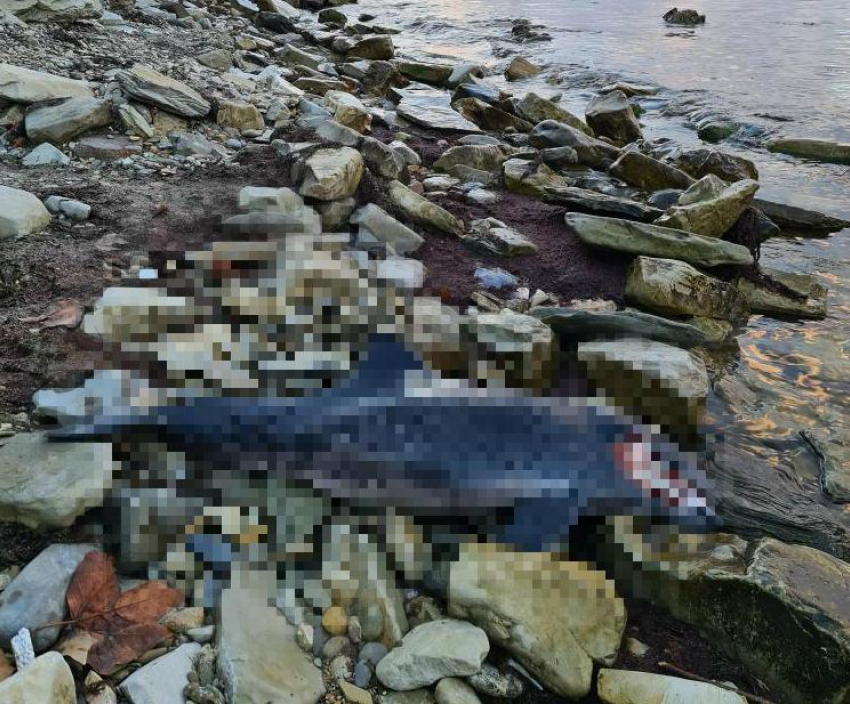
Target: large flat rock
[22, 85]
[58, 124]
[434, 113]
[53, 10]
[149, 86]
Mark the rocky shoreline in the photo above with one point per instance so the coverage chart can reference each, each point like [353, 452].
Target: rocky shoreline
[527, 246]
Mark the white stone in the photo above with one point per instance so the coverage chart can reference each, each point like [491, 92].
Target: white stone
[162, 681]
[21, 213]
[47, 681]
[22, 85]
[627, 687]
[45, 155]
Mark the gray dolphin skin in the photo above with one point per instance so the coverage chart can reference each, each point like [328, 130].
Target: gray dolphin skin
[527, 468]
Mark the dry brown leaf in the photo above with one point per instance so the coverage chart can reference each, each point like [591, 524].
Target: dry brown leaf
[93, 591]
[68, 313]
[126, 645]
[147, 602]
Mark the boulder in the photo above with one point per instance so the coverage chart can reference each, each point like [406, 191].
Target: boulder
[530, 178]
[36, 597]
[293, 56]
[591, 152]
[648, 174]
[382, 159]
[430, 112]
[151, 87]
[258, 658]
[585, 201]
[60, 123]
[52, 10]
[654, 241]
[379, 76]
[282, 200]
[384, 228]
[135, 122]
[559, 158]
[671, 287]
[45, 155]
[21, 213]
[423, 211]
[799, 220]
[520, 68]
[452, 690]
[702, 161]
[804, 296]
[48, 680]
[348, 110]
[218, 59]
[628, 687]
[483, 157]
[379, 47]
[162, 681]
[489, 117]
[536, 109]
[240, 116]
[106, 149]
[332, 174]
[492, 236]
[22, 85]
[332, 131]
[432, 651]
[688, 18]
[713, 216]
[815, 149]
[434, 74]
[611, 115]
[408, 274]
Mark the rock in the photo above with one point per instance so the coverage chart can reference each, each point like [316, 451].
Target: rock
[485, 92]
[191, 144]
[465, 73]
[492, 236]
[611, 116]
[429, 112]
[591, 152]
[380, 76]
[60, 123]
[293, 56]
[373, 653]
[434, 74]
[240, 116]
[148, 86]
[574, 324]
[337, 646]
[320, 86]
[335, 214]
[379, 47]
[48, 680]
[354, 694]
[536, 109]
[416, 696]
[332, 16]
[431, 652]
[559, 158]
[106, 149]
[806, 298]
[183, 619]
[530, 178]
[218, 59]
[594, 203]
[683, 17]
[630, 89]
[627, 687]
[671, 287]
[388, 230]
[713, 216]
[162, 681]
[410, 157]
[423, 211]
[702, 161]
[134, 122]
[479, 196]
[647, 173]
[520, 68]
[22, 85]
[799, 220]
[362, 674]
[439, 183]
[815, 149]
[489, 117]
[493, 683]
[654, 241]
[45, 155]
[717, 130]
[332, 131]
[202, 634]
[454, 691]
[833, 453]
[21, 213]
[335, 621]
[37, 595]
[332, 174]
[52, 10]
[495, 278]
[403, 273]
[349, 111]
[258, 659]
[71, 209]
[483, 157]
[282, 200]
[556, 617]
[382, 159]
[341, 668]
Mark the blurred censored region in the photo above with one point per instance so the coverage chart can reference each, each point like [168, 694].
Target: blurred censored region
[280, 402]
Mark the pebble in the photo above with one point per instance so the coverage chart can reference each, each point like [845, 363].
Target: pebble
[495, 278]
[22, 649]
[204, 634]
[371, 615]
[335, 620]
[372, 653]
[362, 674]
[492, 682]
[304, 636]
[355, 630]
[341, 667]
[452, 690]
[337, 645]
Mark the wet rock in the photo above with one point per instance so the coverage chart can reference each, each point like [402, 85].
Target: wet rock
[434, 74]
[492, 236]
[489, 117]
[520, 68]
[556, 617]
[671, 287]
[702, 161]
[428, 112]
[654, 241]
[814, 149]
[452, 690]
[591, 152]
[379, 48]
[627, 687]
[594, 203]
[162, 681]
[833, 453]
[48, 680]
[530, 178]
[258, 659]
[493, 683]
[240, 116]
[218, 59]
[712, 216]
[431, 652]
[611, 115]
[332, 16]
[22, 85]
[536, 109]
[647, 173]
[380, 76]
[60, 123]
[793, 219]
[106, 149]
[45, 155]
[483, 157]
[716, 131]
[465, 73]
[376, 222]
[21, 213]
[332, 174]
[37, 595]
[382, 159]
[423, 211]
[683, 17]
[349, 111]
[153, 88]
[480, 90]
[806, 297]
[559, 158]
[573, 324]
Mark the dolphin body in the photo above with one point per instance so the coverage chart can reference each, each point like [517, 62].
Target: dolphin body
[520, 468]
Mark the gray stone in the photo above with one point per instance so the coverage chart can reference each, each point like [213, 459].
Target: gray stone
[530, 178]
[594, 203]
[48, 680]
[60, 123]
[701, 161]
[559, 157]
[431, 652]
[348, 110]
[806, 297]
[191, 144]
[815, 149]
[627, 687]
[833, 453]
[382, 159]
[520, 68]
[362, 674]
[435, 114]
[403, 273]
[294, 56]
[494, 237]
[52, 10]
[162, 681]
[22, 85]
[493, 683]
[490, 117]
[373, 653]
[408, 155]
[135, 122]
[611, 116]
[647, 173]
[452, 690]
[21, 213]
[386, 229]
[482, 157]
[332, 174]
[591, 152]
[106, 149]
[71, 209]
[712, 216]
[654, 241]
[432, 73]
[258, 198]
[332, 131]
[378, 47]
[37, 595]
[335, 213]
[536, 109]
[218, 59]
[45, 155]
[799, 220]
[416, 696]
[423, 211]
[151, 87]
